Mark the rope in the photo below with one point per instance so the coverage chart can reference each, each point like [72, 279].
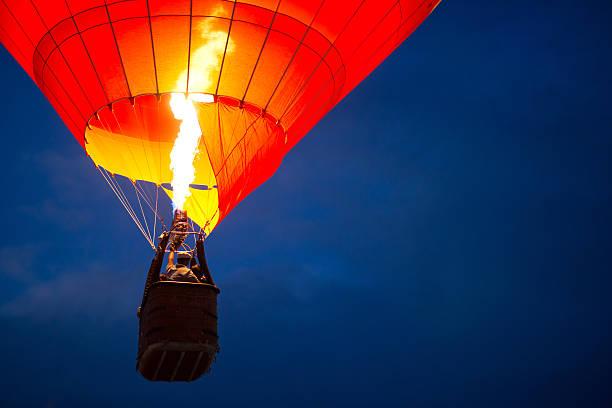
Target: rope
[155, 212]
[126, 204]
[144, 218]
[143, 194]
[116, 188]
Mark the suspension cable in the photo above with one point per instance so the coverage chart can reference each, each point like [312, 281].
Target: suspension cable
[118, 191]
[144, 218]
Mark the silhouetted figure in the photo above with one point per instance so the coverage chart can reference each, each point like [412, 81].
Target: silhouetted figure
[180, 271]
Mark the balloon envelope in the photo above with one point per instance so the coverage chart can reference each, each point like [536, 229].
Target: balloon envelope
[266, 71]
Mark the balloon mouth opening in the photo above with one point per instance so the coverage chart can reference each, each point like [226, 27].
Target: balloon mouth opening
[119, 136]
[241, 146]
[104, 116]
[133, 137]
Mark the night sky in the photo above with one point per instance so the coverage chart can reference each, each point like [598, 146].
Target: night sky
[440, 239]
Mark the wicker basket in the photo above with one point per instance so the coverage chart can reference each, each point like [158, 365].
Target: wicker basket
[178, 331]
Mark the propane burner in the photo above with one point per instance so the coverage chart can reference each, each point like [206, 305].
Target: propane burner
[179, 229]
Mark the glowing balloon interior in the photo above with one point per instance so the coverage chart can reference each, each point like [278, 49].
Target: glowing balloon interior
[198, 99]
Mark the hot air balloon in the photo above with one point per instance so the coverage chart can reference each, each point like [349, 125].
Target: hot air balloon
[196, 101]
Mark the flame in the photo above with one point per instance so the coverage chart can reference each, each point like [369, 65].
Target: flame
[205, 61]
[185, 148]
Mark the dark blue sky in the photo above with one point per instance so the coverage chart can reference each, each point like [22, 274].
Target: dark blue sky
[440, 239]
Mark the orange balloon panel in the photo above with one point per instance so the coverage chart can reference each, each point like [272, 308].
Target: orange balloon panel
[274, 68]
